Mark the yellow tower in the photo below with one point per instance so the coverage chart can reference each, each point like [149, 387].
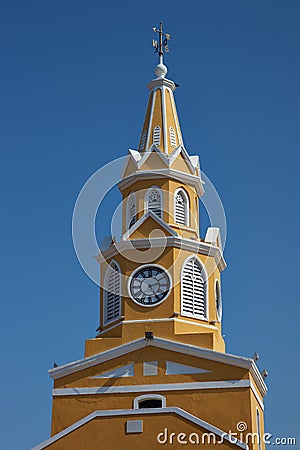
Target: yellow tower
[157, 373]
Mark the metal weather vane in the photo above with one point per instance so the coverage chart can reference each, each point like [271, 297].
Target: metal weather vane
[161, 44]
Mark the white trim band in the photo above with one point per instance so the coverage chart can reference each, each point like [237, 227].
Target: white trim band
[231, 384]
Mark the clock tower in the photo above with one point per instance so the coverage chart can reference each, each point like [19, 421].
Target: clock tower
[157, 373]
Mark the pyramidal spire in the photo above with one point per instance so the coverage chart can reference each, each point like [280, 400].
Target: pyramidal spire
[161, 125]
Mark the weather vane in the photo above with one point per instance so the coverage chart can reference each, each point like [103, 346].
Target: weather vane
[162, 44]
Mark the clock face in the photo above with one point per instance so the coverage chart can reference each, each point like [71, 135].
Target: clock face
[149, 285]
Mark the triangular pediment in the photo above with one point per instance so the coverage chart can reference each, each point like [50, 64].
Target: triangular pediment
[153, 159]
[222, 368]
[148, 224]
[130, 167]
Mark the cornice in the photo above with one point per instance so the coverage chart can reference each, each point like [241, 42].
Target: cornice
[159, 82]
[189, 179]
[168, 241]
[187, 349]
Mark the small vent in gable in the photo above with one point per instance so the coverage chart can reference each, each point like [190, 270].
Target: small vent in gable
[173, 140]
[156, 136]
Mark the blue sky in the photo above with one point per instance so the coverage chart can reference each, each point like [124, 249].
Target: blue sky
[73, 96]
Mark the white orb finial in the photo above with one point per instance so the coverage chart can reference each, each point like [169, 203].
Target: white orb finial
[161, 70]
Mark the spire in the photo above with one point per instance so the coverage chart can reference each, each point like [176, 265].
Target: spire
[161, 125]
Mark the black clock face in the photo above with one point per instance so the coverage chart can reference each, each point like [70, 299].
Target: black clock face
[149, 285]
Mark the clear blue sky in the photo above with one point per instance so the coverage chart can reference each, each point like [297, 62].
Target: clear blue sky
[73, 95]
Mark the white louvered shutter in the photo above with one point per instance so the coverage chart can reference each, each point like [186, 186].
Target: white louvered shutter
[143, 140]
[180, 209]
[172, 137]
[156, 136]
[112, 307]
[154, 202]
[193, 301]
[131, 210]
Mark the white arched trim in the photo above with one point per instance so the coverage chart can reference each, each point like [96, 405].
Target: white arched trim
[112, 293]
[154, 201]
[181, 207]
[130, 210]
[143, 397]
[218, 298]
[194, 289]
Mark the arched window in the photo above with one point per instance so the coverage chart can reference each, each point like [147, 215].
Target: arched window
[218, 297]
[173, 141]
[131, 210]
[149, 401]
[181, 207]
[154, 201]
[156, 136]
[112, 293]
[194, 289]
[143, 141]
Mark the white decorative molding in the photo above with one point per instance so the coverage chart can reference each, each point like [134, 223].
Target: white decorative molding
[150, 121]
[174, 368]
[168, 241]
[164, 117]
[213, 236]
[256, 395]
[181, 150]
[148, 153]
[143, 219]
[158, 82]
[189, 179]
[140, 398]
[174, 110]
[120, 372]
[186, 386]
[186, 349]
[143, 412]
[150, 368]
[195, 161]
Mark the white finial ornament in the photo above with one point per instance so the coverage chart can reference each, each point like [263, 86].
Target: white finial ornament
[161, 70]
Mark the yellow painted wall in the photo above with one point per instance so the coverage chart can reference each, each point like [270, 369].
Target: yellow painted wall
[110, 433]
